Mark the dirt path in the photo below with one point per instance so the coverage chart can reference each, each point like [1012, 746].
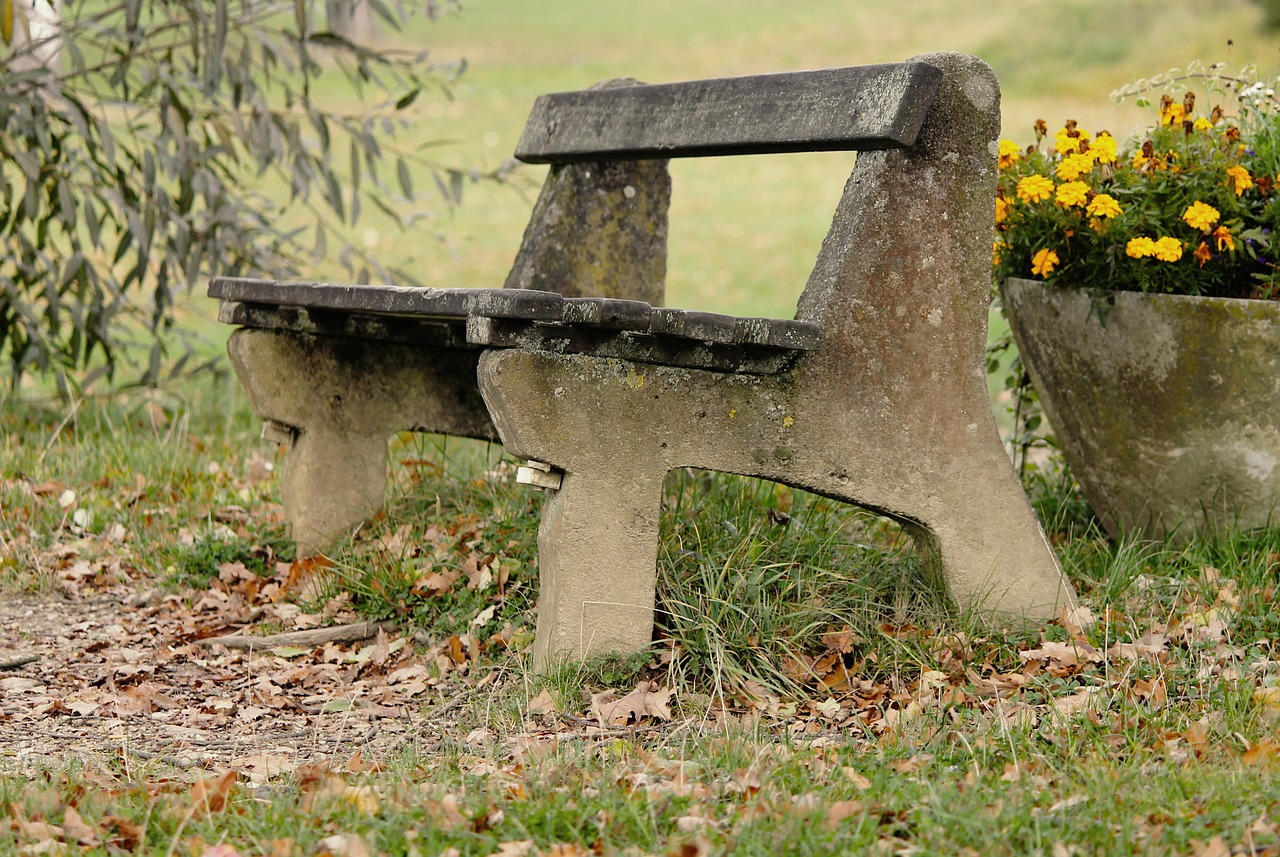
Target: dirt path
[121, 676]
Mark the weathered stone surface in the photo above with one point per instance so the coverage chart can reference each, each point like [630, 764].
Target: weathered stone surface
[1166, 406]
[598, 229]
[861, 107]
[890, 412]
[345, 398]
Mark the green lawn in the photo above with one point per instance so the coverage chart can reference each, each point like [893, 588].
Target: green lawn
[805, 697]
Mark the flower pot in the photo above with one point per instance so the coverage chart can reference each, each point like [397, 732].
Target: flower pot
[1165, 406]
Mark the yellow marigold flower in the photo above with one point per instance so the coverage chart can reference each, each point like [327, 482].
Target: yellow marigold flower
[1140, 247]
[1035, 188]
[1104, 205]
[1167, 249]
[1200, 216]
[1172, 113]
[996, 247]
[1203, 254]
[1002, 210]
[1103, 150]
[1240, 177]
[1043, 262]
[1202, 124]
[1010, 152]
[1068, 139]
[1071, 194]
[1226, 241]
[1073, 166]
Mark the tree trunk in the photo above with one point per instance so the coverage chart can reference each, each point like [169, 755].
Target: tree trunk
[37, 34]
[351, 19]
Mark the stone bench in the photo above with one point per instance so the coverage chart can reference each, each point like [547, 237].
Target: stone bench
[875, 394]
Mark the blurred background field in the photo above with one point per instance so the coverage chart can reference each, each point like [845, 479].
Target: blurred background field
[744, 231]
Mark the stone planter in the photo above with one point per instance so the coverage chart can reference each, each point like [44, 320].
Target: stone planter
[1166, 407]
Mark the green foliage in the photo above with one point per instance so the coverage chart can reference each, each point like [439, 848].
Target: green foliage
[198, 563]
[752, 575]
[173, 140]
[1188, 208]
[1270, 13]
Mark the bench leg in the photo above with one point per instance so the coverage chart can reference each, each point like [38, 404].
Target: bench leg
[332, 482]
[341, 400]
[983, 543]
[597, 561]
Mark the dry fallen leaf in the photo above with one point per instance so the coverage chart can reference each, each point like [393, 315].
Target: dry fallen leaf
[76, 828]
[840, 810]
[221, 850]
[343, 845]
[647, 700]
[543, 703]
[1063, 654]
[209, 794]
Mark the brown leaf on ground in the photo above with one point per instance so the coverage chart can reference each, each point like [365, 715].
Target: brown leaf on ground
[343, 845]
[840, 810]
[77, 829]
[567, 849]
[1063, 655]
[221, 850]
[647, 700]
[209, 794]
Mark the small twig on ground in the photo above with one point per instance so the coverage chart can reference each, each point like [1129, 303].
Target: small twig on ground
[606, 730]
[12, 662]
[310, 637]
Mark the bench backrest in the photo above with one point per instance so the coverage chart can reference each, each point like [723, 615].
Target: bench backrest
[856, 108]
[599, 227]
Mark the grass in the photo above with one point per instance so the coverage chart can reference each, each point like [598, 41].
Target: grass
[820, 703]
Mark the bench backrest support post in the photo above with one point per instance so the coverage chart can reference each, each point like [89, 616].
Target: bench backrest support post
[598, 229]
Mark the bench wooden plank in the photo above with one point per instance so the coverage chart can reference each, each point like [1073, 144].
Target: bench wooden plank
[393, 300]
[858, 108]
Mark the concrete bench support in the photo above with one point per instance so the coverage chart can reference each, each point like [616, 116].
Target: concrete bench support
[890, 412]
[340, 400]
[599, 229]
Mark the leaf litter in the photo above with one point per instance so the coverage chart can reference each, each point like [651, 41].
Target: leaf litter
[125, 675]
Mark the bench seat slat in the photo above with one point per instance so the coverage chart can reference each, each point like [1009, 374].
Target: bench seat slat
[393, 300]
[855, 108]
[403, 330]
[627, 345]
[611, 313]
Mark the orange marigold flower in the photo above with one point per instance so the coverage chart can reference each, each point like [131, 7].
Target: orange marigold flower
[1002, 210]
[1073, 166]
[1035, 188]
[1009, 154]
[1167, 249]
[1103, 150]
[1140, 247]
[1171, 112]
[1104, 205]
[1226, 241]
[1200, 216]
[1043, 262]
[1240, 178]
[1203, 254]
[1070, 194]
